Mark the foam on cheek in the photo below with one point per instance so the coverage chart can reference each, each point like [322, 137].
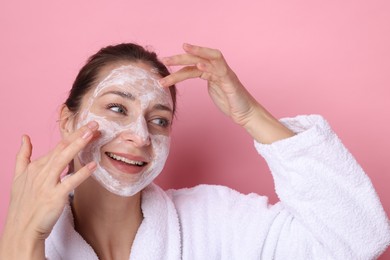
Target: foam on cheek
[146, 89]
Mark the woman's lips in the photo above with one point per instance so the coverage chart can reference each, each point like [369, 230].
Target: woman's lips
[127, 163]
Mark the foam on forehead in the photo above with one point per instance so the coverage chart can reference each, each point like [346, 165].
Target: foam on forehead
[143, 85]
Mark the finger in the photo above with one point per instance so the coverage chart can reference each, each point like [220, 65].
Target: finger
[68, 148]
[46, 158]
[203, 52]
[181, 75]
[209, 69]
[216, 62]
[23, 157]
[73, 181]
[182, 60]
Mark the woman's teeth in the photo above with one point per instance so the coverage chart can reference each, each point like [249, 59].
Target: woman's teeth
[125, 160]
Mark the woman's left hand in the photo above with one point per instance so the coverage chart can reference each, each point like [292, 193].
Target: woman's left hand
[224, 87]
[226, 91]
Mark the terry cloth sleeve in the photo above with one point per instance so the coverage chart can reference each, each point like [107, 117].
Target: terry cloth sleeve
[328, 207]
[327, 194]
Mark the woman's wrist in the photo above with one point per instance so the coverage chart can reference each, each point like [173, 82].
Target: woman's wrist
[13, 246]
[265, 128]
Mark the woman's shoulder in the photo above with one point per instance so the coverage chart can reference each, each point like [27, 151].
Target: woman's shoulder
[206, 191]
[215, 198]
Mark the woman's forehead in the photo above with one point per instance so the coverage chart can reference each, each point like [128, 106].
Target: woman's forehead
[108, 68]
[132, 80]
[130, 75]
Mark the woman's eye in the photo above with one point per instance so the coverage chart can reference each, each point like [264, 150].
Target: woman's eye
[161, 122]
[117, 108]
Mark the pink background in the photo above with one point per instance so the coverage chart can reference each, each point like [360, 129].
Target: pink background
[295, 57]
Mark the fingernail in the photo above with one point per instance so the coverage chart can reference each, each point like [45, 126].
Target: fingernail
[22, 139]
[202, 65]
[164, 59]
[87, 134]
[162, 82]
[187, 45]
[91, 166]
[92, 125]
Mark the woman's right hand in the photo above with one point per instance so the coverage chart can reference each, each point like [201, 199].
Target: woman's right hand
[38, 195]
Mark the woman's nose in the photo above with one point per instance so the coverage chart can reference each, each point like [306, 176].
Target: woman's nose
[138, 133]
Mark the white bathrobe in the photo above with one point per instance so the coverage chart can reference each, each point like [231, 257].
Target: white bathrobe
[328, 209]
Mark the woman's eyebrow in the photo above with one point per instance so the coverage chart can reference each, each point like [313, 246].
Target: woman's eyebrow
[123, 94]
[130, 96]
[162, 107]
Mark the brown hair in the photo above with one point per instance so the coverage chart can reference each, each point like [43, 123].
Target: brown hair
[107, 55]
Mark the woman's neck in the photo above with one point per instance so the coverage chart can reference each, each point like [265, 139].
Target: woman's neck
[106, 221]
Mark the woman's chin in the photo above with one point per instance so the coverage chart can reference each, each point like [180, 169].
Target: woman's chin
[124, 185]
[121, 177]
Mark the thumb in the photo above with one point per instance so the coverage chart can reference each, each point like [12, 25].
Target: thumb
[23, 156]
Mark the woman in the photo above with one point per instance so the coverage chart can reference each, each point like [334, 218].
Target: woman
[116, 125]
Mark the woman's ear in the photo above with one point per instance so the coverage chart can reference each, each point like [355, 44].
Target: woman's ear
[67, 118]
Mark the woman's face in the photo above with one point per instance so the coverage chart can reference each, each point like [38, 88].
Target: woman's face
[134, 114]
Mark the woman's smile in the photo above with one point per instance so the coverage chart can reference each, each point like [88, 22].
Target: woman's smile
[127, 163]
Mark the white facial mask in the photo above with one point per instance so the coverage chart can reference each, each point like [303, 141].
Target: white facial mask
[143, 91]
